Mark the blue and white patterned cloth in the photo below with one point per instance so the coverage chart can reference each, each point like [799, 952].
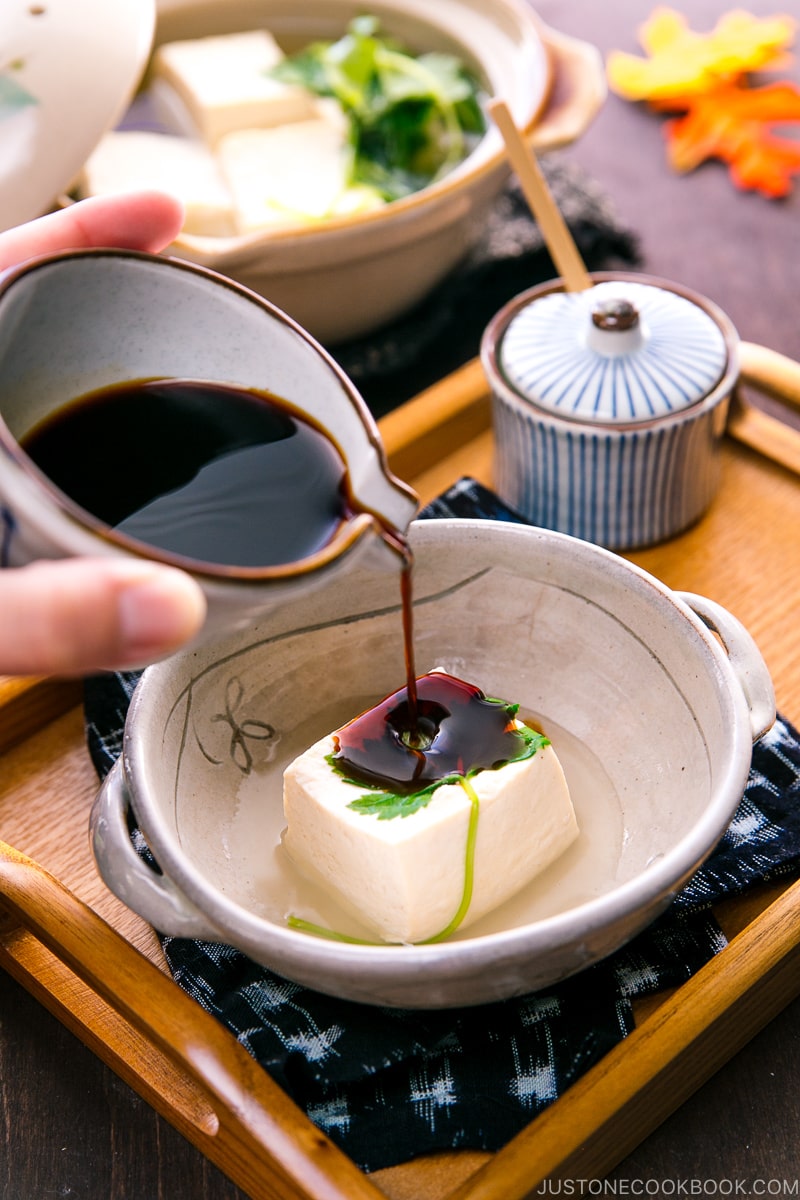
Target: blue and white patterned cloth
[388, 1085]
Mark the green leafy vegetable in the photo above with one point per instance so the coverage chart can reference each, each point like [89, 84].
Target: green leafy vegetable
[469, 867]
[412, 119]
[533, 741]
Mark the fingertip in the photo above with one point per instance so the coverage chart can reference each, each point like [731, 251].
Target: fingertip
[157, 218]
[75, 616]
[160, 609]
[143, 220]
[146, 220]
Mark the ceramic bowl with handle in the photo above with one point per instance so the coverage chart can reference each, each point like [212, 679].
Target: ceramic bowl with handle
[652, 719]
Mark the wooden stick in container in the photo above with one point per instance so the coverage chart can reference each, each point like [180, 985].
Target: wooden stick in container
[557, 237]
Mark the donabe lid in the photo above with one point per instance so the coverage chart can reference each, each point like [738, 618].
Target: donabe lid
[68, 70]
[619, 352]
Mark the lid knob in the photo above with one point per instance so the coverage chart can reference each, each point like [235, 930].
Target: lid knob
[615, 313]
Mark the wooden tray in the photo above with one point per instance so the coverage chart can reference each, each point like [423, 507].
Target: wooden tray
[100, 970]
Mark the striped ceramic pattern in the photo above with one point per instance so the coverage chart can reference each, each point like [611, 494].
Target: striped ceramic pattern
[552, 354]
[601, 425]
[616, 488]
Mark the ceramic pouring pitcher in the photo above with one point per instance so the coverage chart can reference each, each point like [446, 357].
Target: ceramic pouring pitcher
[609, 406]
[80, 321]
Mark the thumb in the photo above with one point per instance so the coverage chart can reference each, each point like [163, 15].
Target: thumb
[75, 615]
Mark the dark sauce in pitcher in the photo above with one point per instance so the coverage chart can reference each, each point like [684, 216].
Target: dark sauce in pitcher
[208, 472]
[216, 474]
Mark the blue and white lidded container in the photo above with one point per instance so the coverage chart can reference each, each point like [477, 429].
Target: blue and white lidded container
[609, 406]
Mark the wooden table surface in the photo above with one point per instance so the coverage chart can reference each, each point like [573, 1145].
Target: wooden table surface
[70, 1128]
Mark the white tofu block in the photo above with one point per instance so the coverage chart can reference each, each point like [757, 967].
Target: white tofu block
[404, 878]
[293, 173]
[223, 85]
[130, 159]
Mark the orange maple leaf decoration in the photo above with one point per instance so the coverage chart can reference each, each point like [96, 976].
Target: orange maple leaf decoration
[703, 77]
[732, 123]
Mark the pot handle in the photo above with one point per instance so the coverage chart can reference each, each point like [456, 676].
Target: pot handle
[578, 94]
[745, 659]
[153, 896]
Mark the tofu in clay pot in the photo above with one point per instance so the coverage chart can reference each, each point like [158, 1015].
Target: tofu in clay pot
[292, 174]
[222, 83]
[417, 843]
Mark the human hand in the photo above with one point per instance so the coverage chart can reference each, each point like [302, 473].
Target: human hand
[74, 615]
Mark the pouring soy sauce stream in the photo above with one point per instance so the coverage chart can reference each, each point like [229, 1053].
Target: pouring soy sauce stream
[214, 474]
[239, 478]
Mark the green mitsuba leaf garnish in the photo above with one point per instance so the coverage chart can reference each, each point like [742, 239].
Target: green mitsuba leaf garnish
[388, 805]
[411, 117]
[533, 741]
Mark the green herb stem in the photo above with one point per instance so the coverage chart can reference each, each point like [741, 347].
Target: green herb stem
[466, 894]
[320, 931]
[469, 866]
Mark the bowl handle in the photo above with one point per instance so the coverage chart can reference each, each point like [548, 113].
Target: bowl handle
[152, 896]
[745, 659]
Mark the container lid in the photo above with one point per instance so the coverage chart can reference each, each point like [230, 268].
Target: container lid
[68, 70]
[619, 352]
